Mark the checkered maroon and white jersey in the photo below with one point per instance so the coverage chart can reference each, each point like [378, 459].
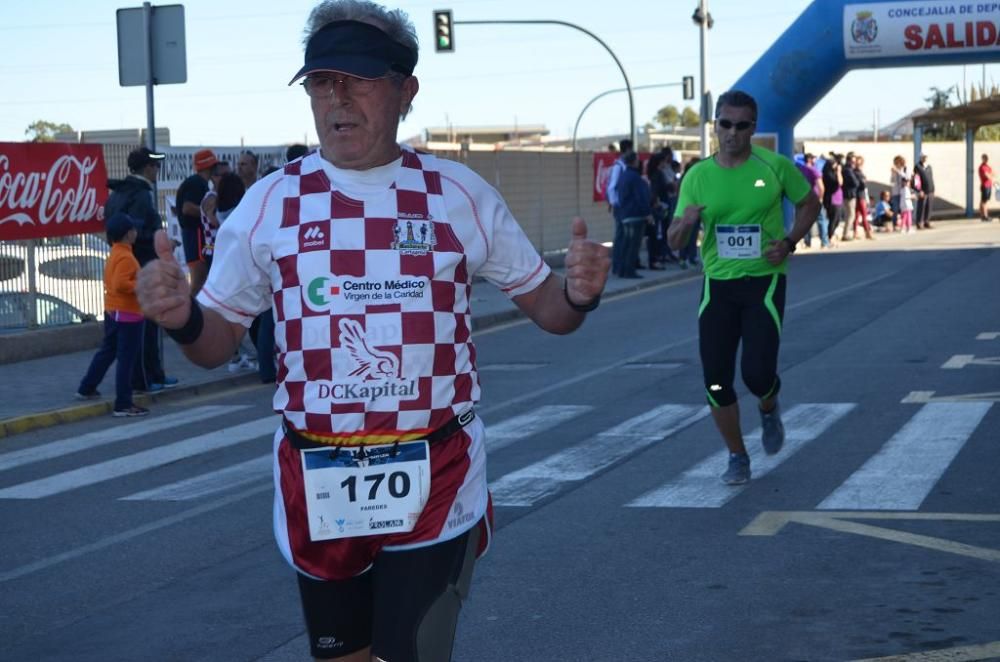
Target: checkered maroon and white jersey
[371, 273]
[208, 231]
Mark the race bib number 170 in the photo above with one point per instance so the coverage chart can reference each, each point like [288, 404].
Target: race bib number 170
[738, 242]
[365, 490]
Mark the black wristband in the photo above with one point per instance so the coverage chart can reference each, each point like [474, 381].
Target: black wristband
[585, 308]
[192, 328]
[790, 244]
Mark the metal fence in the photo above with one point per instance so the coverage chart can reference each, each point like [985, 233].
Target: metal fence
[53, 281]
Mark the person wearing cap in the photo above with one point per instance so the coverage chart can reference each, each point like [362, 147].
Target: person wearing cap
[188, 204]
[737, 196]
[134, 196]
[122, 319]
[368, 252]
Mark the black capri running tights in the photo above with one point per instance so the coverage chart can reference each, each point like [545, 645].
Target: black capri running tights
[750, 309]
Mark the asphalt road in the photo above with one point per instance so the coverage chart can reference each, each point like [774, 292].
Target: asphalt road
[875, 532]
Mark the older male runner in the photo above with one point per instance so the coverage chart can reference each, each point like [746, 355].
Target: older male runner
[367, 251]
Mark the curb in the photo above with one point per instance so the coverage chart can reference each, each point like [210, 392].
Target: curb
[28, 422]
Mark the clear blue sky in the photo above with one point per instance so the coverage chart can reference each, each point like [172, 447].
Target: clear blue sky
[60, 64]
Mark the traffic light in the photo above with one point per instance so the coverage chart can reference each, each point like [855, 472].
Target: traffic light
[688, 87]
[444, 35]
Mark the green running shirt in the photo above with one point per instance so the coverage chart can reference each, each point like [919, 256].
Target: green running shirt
[747, 199]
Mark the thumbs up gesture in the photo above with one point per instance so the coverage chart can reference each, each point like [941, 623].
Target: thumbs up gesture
[587, 265]
[162, 287]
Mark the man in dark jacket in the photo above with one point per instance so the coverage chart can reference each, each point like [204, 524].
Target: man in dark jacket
[635, 210]
[925, 194]
[134, 196]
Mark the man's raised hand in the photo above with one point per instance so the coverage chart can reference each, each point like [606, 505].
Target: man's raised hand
[587, 265]
[162, 287]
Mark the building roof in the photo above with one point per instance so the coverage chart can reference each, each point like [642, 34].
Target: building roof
[974, 114]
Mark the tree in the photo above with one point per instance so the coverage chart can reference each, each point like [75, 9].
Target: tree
[940, 98]
[43, 131]
[690, 117]
[944, 130]
[668, 116]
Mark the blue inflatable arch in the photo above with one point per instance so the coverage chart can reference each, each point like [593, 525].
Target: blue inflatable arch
[832, 37]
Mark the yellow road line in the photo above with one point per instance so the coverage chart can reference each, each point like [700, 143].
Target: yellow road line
[770, 523]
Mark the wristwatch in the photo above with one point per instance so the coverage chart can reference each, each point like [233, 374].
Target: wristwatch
[790, 244]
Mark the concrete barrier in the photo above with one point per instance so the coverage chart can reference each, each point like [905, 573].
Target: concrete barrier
[37, 343]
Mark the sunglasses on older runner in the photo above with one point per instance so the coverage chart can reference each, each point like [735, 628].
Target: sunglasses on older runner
[742, 125]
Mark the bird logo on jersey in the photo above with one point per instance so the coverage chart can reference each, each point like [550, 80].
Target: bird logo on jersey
[371, 363]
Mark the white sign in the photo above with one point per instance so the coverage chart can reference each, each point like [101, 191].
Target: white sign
[902, 29]
[167, 46]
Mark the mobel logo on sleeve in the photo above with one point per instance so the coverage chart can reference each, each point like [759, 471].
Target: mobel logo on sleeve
[314, 236]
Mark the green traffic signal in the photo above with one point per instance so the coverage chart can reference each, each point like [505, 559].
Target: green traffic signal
[443, 42]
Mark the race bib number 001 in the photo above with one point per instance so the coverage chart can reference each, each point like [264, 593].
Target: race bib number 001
[737, 242]
[365, 490]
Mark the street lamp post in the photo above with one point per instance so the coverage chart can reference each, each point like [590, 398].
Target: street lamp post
[576, 127]
[704, 21]
[628, 86]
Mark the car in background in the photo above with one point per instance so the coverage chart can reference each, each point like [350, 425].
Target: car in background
[15, 311]
[67, 269]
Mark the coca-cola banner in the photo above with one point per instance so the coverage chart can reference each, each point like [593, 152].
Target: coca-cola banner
[602, 170]
[51, 189]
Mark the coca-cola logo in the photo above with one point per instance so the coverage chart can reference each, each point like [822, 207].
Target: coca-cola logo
[63, 194]
[50, 189]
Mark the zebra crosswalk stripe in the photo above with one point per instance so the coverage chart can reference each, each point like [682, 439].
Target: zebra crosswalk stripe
[529, 485]
[529, 424]
[130, 464]
[498, 436]
[700, 487]
[209, 483]
[905, 470]
[131, 430]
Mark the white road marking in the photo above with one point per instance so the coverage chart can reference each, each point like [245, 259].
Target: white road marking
[109, 435]
[958, 361]
[527, 486]
[988, 335]
[903, 472]
[531, 423]
[130, 464]
[917, 397]
[700, 487]
[213, 482]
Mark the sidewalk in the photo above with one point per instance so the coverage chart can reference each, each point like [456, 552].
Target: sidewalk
[39, 393]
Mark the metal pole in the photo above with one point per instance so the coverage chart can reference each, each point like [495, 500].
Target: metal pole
[628, 86]
[147, 32]
[706, 112]
[576, 126]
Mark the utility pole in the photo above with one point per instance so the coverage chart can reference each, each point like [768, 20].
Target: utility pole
[704, 21]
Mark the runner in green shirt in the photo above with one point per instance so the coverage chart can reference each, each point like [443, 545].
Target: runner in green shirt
[737, 196]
